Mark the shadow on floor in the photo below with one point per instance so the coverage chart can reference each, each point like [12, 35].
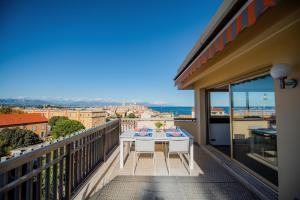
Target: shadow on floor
[214, 183]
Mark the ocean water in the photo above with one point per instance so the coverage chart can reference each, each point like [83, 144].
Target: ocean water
[187, 110]
[176, 110]
[180, 110]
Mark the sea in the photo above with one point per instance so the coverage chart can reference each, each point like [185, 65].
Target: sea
[180, 110]
[187, 110]
[176, 110]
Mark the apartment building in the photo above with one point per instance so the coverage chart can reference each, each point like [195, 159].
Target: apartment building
[89, 118]
[249, 56]
[30, 121]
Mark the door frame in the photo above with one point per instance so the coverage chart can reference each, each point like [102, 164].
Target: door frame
[207, 110]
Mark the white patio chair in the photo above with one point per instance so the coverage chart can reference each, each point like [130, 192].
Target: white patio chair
[179, 147]
[144, 146]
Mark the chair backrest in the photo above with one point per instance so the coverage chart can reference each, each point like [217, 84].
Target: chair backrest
[179, 146]
[142, 145]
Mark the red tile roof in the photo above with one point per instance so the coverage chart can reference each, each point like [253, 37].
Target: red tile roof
[217, 109]
[18, 119]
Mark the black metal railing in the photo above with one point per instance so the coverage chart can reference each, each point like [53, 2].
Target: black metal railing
[57, 170]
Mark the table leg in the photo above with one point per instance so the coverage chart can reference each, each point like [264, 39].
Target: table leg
[191, 154]
[121, 153]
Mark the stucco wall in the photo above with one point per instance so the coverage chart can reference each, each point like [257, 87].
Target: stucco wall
[189, 126]
[288, 125]
[150, 123]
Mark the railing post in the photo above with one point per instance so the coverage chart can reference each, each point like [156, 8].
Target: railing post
[54, 176]
[69, 170]
[61, 174]
[17, 192]
[104, 144]
[120, 126]
[3, 181]
[47, 177]
[29, 182]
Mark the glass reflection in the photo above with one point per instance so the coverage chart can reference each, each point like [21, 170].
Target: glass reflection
[254, 126]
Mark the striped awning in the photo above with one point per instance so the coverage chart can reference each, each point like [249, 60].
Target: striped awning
[246, 17]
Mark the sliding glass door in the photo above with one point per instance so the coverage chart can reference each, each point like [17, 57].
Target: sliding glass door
[253, 121]
[219, 119]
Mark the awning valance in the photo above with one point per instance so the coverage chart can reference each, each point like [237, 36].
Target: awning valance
[246, 17]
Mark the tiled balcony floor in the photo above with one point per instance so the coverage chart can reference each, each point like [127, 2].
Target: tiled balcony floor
[145, 166]
[209, 180]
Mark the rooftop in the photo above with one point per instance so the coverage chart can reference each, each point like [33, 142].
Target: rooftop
[20, 119]
[217, 109]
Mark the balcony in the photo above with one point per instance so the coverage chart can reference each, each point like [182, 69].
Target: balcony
[85, 165]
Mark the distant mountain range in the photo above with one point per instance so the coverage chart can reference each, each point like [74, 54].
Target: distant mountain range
[64, 102]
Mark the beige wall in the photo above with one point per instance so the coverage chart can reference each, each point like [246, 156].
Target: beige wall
[288, 125]
[189, 126]
[274, 39]
[39, 128]
[88, 118]
[200, 115]
[150, 123]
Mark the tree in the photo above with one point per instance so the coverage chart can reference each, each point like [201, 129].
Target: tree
[16, 138]
[63, 127]
[54, 119]
[131, 115]
[5, 110]
[9, 110]
[158, 125]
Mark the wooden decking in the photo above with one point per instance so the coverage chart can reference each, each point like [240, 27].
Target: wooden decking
[208, 180]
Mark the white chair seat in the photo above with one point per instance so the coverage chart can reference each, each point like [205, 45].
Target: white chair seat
[179, 147]
[143, 146]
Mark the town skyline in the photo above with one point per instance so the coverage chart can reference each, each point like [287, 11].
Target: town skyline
[72, 100]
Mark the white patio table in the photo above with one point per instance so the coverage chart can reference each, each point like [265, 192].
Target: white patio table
[128, 136]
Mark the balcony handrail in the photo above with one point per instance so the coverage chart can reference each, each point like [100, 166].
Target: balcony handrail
[158, 119]
[70, 160]
[131, 123]
[21, 159]
[185, 119]
[148, 119]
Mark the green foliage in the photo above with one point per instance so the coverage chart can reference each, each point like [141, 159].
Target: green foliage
[9, 110]
[131, 115]
[5, 110]
[16, 138]
[116, 115]
[158, 125]
[54, 119]
[63, 127]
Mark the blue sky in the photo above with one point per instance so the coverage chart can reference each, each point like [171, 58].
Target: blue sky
[118, 50]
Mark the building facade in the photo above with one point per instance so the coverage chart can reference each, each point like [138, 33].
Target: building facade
[33, 121]
[249, 55]
[89, 118]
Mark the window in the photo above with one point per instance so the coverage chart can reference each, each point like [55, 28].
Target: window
[254, 132]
